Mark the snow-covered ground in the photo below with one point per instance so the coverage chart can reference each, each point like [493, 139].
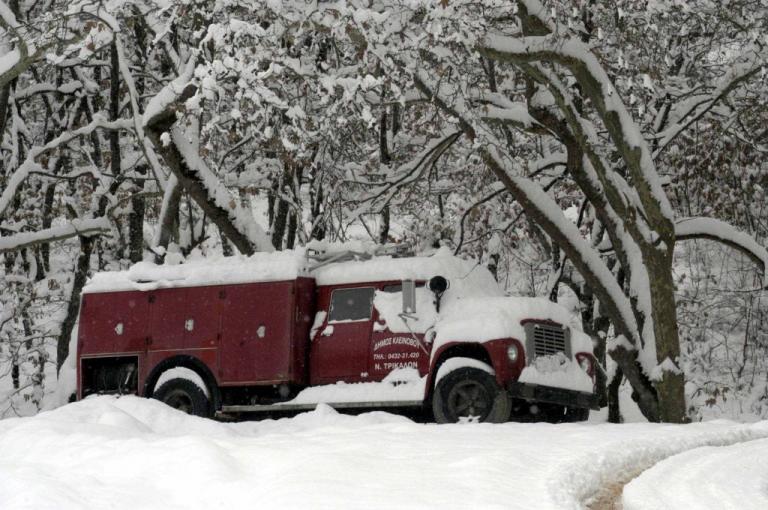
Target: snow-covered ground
[133, 453]
[717, 478]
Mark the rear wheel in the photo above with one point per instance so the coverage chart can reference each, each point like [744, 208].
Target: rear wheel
[186, 396]
[470, 395]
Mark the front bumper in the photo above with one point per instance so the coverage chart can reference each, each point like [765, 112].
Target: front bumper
[550, 395]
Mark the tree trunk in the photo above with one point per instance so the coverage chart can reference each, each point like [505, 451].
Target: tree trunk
[293, 225]
[5, 96]
[671, 388]
[136, 229]
[73, 306]
[15, 370]
[191, 178]
[385, 159]
[316, 205]
[226, 247]
[45, 249]
[197, 190]
[644, 393]
[384, 227]
[278, 227]
[281, 215]
[169, 215]
[5, 90]
[614, 410]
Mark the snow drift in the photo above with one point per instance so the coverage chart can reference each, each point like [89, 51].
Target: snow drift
[128, 453]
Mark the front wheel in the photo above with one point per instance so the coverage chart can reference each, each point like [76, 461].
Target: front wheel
[186, 396]
[470, 395]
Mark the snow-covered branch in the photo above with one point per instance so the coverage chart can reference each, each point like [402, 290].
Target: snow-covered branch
[197, 175]
[548, 215]
[87, 227]
[587, 70]
[496, 107]
[695, 109]
[17, 60]
[720, 231]
[31, 164]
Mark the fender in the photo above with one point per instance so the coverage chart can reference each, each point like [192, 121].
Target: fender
[493, 352]
[184, 361]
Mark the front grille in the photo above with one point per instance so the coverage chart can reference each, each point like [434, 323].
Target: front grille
[548, 340]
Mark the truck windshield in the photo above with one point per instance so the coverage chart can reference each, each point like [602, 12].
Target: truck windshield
[351, 304]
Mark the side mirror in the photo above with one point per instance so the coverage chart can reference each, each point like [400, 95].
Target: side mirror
[438, 285]
[409, 296]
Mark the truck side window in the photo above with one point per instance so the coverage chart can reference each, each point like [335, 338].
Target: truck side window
[351, 304]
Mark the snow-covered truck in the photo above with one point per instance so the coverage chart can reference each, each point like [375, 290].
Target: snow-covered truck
[279, 332]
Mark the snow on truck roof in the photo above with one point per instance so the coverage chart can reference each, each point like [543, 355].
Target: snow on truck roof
[442, 262]
[289, 265]
[259, 267]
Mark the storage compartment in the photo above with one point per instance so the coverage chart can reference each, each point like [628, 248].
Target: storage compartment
[113, 322]
[259, 344]
[109, 375]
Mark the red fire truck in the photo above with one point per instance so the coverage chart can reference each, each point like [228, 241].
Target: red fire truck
[282, 332]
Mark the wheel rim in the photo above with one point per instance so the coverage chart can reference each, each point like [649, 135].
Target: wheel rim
[469, 400]
[179, 399]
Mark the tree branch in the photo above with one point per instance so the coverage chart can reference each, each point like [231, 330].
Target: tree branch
[84, 228]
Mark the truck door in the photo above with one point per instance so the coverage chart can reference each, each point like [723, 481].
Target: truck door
[340, 349]
[398, 341]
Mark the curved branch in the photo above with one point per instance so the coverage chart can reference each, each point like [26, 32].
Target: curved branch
[720, 231]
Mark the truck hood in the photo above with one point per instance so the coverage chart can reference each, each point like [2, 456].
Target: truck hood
[487, 318]
[476, 318]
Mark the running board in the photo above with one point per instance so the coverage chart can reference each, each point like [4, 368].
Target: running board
[309, 407]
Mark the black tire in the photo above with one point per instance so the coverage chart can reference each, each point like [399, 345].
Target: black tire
[470, 394]
[186, 396]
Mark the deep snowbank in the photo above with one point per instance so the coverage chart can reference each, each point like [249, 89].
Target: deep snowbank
[131, 453]
[731, 477]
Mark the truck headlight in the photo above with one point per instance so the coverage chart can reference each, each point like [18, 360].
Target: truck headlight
[586, 363]
[512, 353]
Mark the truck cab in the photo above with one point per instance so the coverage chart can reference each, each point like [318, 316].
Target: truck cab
[434, 333]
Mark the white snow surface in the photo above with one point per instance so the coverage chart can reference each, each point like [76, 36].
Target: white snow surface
[401, 384]
[482, 318]
[717, 478]
[128, 453]
[277, 266]
[456, 363]
[558, 372]
[390, 308]
[8, 60]
[459, 271]
[288, 264]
